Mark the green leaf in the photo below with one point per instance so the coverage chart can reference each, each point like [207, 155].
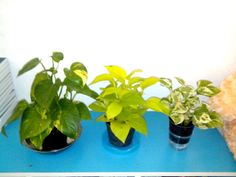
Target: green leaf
[21, 106]
[138, 123]
[216, 120]
[80, 70]
[166, 100]
[201, 115]
[72, 78]
[203, 83]
[17, 112]
[192, 102]
[68, 119]
[54, 110]
[180, 80]
[38, 78]
[176, 96]
[133, 72]
[29, 65]
[98, 106]
[156, 104]
[71, 86]
[178, 118]
[83, 111]
[166, 83]
[209, 90]
[187, 91]
[102, 118]
[57, 56]
[32, 124]
[120, 130]
[113, 110]
[82, 74]
[149, 81]
[37, 141]
[75, 83]
[132, 98]
[117, 72]
[179, 108]
[85, 90]
[45, 92]
[204, 118]
[78, 66]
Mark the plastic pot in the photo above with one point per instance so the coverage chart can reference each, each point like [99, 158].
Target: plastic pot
[179, 135]
[115, 141]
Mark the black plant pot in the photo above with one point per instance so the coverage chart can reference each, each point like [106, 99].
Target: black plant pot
[115, 141]
[54, 142]
[179, 135]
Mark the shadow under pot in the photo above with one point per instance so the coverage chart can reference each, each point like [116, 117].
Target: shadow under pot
[115, 141]
[179, 135]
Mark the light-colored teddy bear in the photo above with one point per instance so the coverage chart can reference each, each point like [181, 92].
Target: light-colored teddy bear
[225, 104]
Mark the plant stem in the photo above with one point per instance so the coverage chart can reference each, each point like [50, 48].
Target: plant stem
[60, 91]
[74, 96]
[53, 76]
[65, 95]
[44, 68]
[71, 96]
[52, 63]
[57, 66]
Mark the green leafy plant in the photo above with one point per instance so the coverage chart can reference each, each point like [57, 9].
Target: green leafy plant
[186, 105]
[122, 102]
[52, 101]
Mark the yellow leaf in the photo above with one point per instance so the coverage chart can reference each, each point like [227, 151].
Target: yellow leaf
[113, 110]
[149, 81]
[103, 77]
[117, 72]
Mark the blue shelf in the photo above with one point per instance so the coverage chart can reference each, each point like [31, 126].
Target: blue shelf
[207, 152]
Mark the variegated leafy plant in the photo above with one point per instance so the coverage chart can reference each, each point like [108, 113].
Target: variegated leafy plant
[52, 101]
[186, 105]
[122, 102]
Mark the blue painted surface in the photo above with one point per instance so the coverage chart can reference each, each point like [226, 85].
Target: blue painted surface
[207, 152]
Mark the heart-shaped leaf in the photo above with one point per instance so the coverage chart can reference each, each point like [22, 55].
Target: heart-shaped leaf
[68, 119]
[28, 66]
[57, 56]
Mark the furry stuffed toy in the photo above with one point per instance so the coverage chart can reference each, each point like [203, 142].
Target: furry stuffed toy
[225, 104]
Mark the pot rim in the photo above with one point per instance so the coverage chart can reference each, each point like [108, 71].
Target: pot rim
[190, 125]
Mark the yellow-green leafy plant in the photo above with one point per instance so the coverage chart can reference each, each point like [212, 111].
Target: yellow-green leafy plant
[187, 106]
[122, 102]
[53, 104]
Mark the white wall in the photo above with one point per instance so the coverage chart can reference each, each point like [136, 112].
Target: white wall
[191, 39]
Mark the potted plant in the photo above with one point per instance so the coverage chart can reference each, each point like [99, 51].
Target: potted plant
[51, 121]
[188, 109]
[123, 105]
